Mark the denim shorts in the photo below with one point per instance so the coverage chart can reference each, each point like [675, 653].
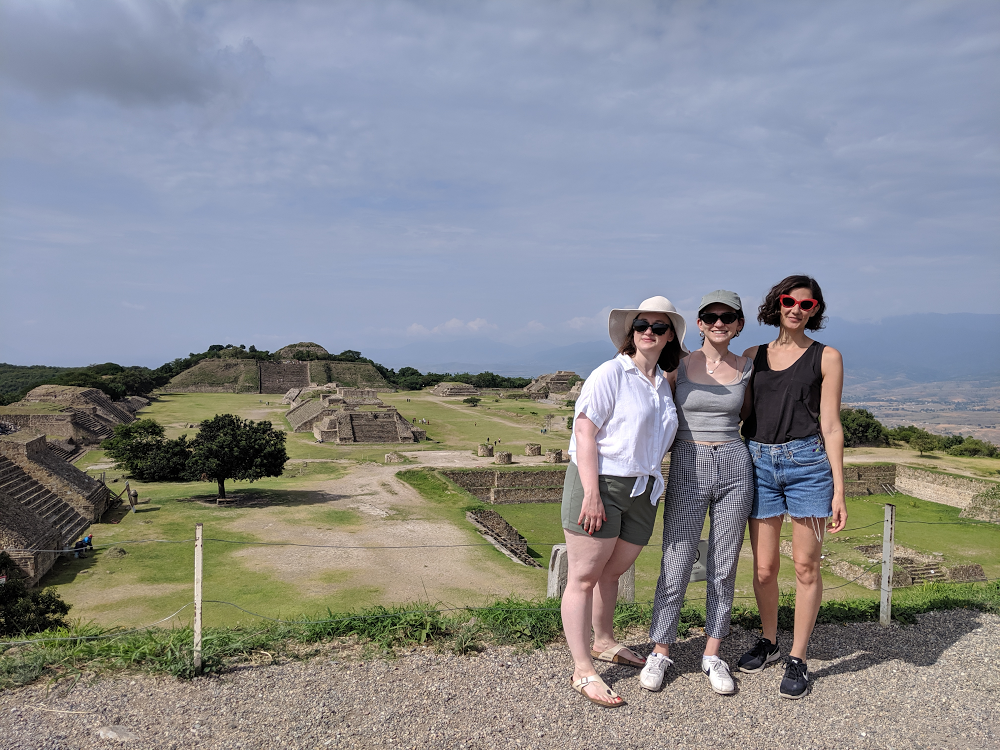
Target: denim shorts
[793, 478]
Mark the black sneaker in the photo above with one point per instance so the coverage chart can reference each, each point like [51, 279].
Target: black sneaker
[795, 684]
[762, 654]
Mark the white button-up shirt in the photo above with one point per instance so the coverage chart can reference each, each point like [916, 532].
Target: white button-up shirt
[636, 421]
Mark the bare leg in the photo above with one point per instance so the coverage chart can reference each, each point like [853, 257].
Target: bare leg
[606, 595]
[765, 536]
[807, 547]
[587, 558]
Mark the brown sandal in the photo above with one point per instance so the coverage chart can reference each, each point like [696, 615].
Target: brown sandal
[614, 656]
[580, 684]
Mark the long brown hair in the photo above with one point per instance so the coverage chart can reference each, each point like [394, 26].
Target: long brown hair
[670, 357]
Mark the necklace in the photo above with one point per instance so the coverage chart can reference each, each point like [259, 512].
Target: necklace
[714, 365]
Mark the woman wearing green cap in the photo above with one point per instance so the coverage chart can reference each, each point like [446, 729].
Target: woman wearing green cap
[710, 471]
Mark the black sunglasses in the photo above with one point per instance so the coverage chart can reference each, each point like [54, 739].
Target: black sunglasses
[710, 318]
[639, 325]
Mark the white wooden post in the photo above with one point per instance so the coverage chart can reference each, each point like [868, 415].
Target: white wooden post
[888, 545]
[626, 585]
[559, 573]
[198, 546]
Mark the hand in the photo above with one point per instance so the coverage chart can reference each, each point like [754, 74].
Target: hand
[592, 515]
[839, 518]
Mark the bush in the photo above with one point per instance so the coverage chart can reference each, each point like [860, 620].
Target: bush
[471, 400]
[924, 443]
[861, 428]
[24, 611]
[973, 447]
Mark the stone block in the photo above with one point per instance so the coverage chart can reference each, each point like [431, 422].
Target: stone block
[533, 449]
[553, 456]
[486, 450]
[503, 457]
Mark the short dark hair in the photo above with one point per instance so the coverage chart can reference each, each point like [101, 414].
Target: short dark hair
[670, 357]
[769, 312]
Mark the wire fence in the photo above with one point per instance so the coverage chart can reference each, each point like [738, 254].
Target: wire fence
[370, 616]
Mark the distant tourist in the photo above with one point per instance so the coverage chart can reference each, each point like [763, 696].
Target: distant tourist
[624, 422]
[710, 471]
[797, 445]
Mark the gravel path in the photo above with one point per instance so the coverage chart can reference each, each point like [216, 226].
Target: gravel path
[932, 685]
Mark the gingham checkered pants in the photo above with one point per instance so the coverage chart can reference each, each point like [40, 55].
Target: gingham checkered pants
[717, 479]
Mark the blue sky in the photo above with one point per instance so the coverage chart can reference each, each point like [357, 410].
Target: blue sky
[371, 175]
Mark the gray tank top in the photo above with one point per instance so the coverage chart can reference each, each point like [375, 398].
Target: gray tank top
[709, 413]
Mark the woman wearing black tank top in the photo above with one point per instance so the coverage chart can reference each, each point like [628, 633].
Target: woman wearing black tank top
[797, 446]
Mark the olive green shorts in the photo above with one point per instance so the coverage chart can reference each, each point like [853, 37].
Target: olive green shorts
[629, 518]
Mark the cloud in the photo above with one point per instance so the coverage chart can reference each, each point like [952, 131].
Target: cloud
[594, 324]
[131, 306]
[452, 328]
[145, 53]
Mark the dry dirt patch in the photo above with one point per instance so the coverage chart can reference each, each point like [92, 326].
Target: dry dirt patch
[432, 558]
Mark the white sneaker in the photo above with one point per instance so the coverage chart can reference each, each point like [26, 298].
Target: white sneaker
[651, 676]
[718, 674]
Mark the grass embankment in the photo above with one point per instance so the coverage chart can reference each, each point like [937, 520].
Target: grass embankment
[531, 623]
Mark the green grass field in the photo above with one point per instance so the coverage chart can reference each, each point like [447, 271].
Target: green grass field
[154, 579]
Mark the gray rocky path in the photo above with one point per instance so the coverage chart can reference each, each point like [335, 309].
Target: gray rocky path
[931, 685]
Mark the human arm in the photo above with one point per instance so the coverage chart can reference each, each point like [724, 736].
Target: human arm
[747, 407]
[833, 432]
[592, 514]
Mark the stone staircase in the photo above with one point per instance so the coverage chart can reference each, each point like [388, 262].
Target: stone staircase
[44, 503]
[926, 573]
[58, 451]
[92, 423]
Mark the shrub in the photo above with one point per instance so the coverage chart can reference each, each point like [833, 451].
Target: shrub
[973, 447]
[24, 611]
[143, 451]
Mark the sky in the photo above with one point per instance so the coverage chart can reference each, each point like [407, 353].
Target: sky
[380, 174]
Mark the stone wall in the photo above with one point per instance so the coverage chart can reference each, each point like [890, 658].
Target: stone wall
[279, 377]
[60, 425]
[868, 479]
[89, 497]
[506, 487]
[946, 489]
[492, 525]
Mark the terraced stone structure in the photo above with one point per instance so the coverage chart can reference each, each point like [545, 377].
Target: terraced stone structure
[509, 487]
[350, 426]
[451, 390]
[77, 416]
[494, 527]
[46, 503]
[553, 382]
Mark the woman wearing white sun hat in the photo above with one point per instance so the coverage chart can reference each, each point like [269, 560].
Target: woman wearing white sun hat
[623, 425]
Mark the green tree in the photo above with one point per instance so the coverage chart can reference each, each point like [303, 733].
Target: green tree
[142, 449]
[471, 400]
[973, 447]
[228, 447]
[25, 611]
[923, 443]
[861, 428]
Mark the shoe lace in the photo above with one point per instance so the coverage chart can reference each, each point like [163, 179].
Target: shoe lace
[762, 648]
[658, 662]
[719, 667]
[795, 670]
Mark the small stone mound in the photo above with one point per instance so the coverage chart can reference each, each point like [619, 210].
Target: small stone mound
[504, 457]
[394, 458]
[486, 450]
[553, 456]
[115, 552]
[966, 573]
[533, 449]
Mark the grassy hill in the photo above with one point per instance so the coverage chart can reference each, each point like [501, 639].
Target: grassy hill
[218, 376]
[353, 374]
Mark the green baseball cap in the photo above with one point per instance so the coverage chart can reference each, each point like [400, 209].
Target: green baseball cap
[721, 296]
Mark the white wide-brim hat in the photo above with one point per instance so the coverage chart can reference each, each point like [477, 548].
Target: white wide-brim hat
[620, 320]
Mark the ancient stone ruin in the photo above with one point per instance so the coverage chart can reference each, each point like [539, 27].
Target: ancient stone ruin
[553, 382]
[504, 536]
[71, 417]
[348, 426]
[553, 456]
[485, 450]
[504, 457]
[533, 449]
[508, 487]
[45, 502]
[452, 390]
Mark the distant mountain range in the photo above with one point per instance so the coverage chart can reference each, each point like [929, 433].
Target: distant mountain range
[918, 348]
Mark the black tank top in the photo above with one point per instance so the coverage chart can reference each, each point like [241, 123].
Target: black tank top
[785, 402]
